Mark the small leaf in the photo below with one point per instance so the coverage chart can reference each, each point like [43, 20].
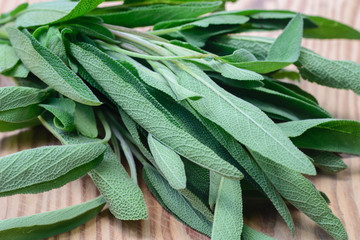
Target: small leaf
[22, 114]
[84, 120]
[8, 57]
[63, 110]
[41, 169]
[9, 126]
[169, 163]
[228, 218]
[327, 161]
[47, 224]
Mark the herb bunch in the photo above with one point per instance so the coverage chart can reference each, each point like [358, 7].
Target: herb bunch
[206, 114]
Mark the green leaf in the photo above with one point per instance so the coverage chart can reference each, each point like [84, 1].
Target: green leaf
[328, 28]
[327, 161]
[47, 224]
[325, 134]
[228, 218]
[214, 189]
[18, 71]
[250, 234]
[150, 15]
[258, 132]
[55, 12]
[275, 103]
[119, 83]
[17, 97]
[63, 110]
[124, 198]
[22, 114]
[84, 120]
[301, 193]
[8, 58]
[41, 169]
[9, 126]
[331, 73]
[175, 202]
[49, 68]
[169, 163]
[7, 17]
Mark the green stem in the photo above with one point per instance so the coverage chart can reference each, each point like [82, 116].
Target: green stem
[134, 32]
[106, 127]
[150, 57]
[169, 30]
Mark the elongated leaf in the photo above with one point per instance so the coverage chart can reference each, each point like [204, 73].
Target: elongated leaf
[301, 193]
[228, 218]
[176, 202]
[84, 120]
[169, 163]
[18, 71]
[124, 198]
[54, 12]
[41, 169]
[22, 114]
[325, 134]
[197, 203]
[257, 131]
[16, 97]
[252, 172]
[47, 224]
[49, 68]
[326, 161]
[155, 119]
[63, 110]
[9, 126]
[8, 57]
[214, 189]
[250, 234]
[313, 67]
[150, 15]
[279, 104]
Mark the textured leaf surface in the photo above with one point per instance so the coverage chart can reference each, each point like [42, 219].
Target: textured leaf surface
[169, 163]
[257, 131]
[123, 196]
[228, 218]
[250, 234]
[16, 97]
[56, 11]
[120, 83]
[84, 120]
[301, 193]
[49, 68]
[326, 161]
[22, 114]
[63, 110]
[8, 59]
[43, 225]
[41, 169]
[325, 134]
[150, 15]
[176, 202]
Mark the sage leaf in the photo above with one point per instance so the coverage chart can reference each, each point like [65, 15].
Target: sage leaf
[327, 161]
[63, 110]
[214, 189]
[18, 71]
[150, 15]
[123, 196]
[84, 120]
[47, 224]
[10, 126]
[232, 111]
[49, 68]
[325, 134]
[42, 169]
[301, 193]
[176, 202]
[22, 114]
[124, 84]
[228, 219]
[54, 12]
[169, 163]
[17, 97]
[8, 59]
[249, 233]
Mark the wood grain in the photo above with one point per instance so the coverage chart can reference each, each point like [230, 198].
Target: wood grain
[343, 188]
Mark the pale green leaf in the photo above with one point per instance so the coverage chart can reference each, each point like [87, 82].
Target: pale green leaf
[327, 161]
[84, 120]
[8, 57]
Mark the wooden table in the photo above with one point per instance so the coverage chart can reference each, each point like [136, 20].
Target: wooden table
[343, 188]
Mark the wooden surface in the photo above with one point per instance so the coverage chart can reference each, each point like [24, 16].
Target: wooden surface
[343, 188]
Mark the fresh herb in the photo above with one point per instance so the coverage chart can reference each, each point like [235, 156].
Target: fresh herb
[205, 114]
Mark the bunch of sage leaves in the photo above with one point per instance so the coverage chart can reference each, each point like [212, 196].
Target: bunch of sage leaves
[206, 114]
